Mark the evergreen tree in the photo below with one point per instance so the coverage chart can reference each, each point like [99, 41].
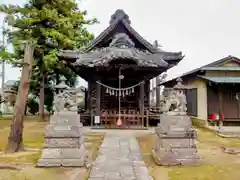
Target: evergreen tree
[54, 25]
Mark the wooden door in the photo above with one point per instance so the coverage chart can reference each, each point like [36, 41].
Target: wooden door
[230, 105]
[191, 96]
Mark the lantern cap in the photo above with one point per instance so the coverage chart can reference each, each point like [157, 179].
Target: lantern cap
[62, 84]
[179, 85]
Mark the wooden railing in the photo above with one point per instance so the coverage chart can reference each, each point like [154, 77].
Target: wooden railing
[128, 118]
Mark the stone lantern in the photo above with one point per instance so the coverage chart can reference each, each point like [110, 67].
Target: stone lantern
[62, 85]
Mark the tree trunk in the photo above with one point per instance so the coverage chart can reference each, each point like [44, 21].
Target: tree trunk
[41, 94]
[15, 139]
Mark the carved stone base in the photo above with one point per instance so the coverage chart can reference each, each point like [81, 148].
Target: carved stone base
[170, 159]
[176, 144]
[64, 142]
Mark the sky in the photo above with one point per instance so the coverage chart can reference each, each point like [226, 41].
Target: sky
[204, 30]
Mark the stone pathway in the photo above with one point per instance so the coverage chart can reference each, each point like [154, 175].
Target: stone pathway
[119, 159]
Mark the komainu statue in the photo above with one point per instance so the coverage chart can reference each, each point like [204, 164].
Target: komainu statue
[64, 136]
[175, 102]
[65, 101]
[175, 143]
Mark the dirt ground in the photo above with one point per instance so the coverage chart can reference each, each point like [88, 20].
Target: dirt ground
[216, 164]
[22, 165]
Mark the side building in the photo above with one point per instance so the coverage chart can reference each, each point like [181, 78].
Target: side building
[213, 90]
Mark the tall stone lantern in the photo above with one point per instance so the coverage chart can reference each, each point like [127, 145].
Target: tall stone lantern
[60, 87]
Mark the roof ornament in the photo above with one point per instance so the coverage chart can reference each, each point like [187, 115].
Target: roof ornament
[119, 14]
[122, 40]
[156, 44]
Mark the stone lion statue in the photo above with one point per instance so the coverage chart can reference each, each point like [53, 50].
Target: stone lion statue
[175, 101]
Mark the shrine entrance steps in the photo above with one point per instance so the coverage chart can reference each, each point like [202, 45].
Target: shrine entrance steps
[119, 158]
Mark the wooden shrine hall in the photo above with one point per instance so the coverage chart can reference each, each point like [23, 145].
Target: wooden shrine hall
[118, 65]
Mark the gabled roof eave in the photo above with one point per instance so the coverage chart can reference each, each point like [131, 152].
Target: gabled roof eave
[200, 68]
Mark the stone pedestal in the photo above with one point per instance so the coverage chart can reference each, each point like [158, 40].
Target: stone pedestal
[176, 141]
[64, 142]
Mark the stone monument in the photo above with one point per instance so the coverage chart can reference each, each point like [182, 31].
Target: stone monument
[64, 138]
[176, 139]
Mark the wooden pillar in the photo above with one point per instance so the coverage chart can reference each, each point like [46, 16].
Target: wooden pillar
[147, 119]
[157, 92]
[220, 96]
[152, 92]
[89, 102]
[148, 103]
[98, 99]
[89, 97]
[142, 102]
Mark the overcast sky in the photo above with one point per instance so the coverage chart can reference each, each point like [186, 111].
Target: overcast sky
[204, 30]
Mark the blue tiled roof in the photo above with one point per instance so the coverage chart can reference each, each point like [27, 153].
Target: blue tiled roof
[222, 79]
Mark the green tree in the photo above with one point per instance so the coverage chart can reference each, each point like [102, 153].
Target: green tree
[32, 105]
[54, 24]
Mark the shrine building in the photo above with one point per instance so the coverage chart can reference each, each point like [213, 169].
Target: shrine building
[118, 66]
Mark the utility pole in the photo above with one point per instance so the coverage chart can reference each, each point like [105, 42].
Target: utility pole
[2, 74]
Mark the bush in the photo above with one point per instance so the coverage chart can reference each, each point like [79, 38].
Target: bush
[32, 105]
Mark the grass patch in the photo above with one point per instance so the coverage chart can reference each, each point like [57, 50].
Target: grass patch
[216, 165]
[32, 134]
[199, 123]
[33, 142]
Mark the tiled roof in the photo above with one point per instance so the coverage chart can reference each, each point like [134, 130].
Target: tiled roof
[123, 45]
[224, 79]
[222, 68]
[225, 59]
[120, 16]
[105, 55]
